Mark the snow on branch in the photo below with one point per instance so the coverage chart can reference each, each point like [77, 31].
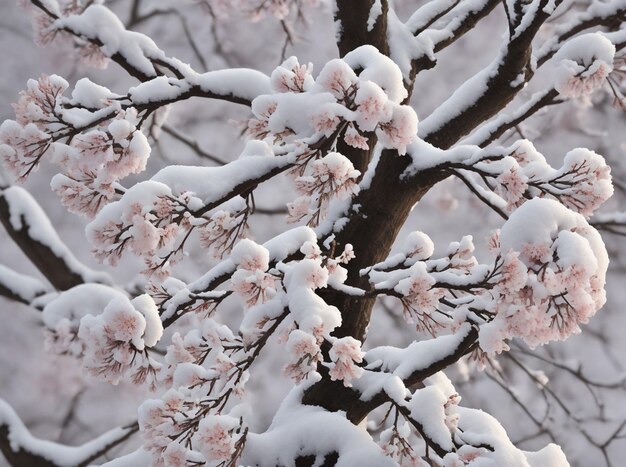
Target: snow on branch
[20, 287]
[22, 449]
[597, 14]
[29, 227]
[613, 222]
[520, 172]
[577, 76]
[481, 96]
[437, 25]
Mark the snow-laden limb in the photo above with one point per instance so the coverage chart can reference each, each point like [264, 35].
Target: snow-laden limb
[103, 126]
[141, 57]
[421, 359]
[481, 429]
[496, 127]
[582, 68]
[504, 178]
[182, 298]
[29, 227]
[485, 93]
[20, 287]
[597, 14]
[22, 449]
[447, 428]
[443, 22]
[299, 431]
[613, 222]
[428, 14]
[433, 27]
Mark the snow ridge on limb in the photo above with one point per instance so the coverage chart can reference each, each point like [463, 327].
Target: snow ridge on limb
[24, 450]
[20, 287]
[142, 58]
[32, 231]
[496, 84]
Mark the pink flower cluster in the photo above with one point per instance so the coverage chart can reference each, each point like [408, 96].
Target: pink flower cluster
[512, 186]
[549, 287]
[251, 281]
[343, 104]
[222, 230]
[582, 184]
[304, 352]
[396, 443]
[147, 222]
[584, 181]
[175, 437]
[465, 455]
[95, 160]
[332, 176]
[420, 299]
[114, 344]
[583, 63]
[216, 437]
[91, 162]
[292, 77]
[46, 31]
[584, 83]
[24, 141]
[345, 354]
[159, 420]
[205, 369]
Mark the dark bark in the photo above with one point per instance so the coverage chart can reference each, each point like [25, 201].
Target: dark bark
[352, 16]
[385, 205]
[20, 458]
[51, 265]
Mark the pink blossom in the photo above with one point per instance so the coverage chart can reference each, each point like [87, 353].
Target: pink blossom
[514, 273]
[325, 122]
[512, 185]
[91, 55]
[304, 352]
[538, 253]
[214, 437]
[85, 196]
[175, 455]
[317, 276]
[372, 106]
[124, 322]
[353, 138]
[336, 77]
[253, 287]
[299, 208]
[584, 82]
[291, 76]
[400, 130]
[344, 354]
[493, 241]
[145, 236]
[22, 147]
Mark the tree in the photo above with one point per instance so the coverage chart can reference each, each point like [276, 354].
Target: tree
[349, 141]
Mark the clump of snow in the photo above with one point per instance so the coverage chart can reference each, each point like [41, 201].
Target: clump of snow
[583, 63]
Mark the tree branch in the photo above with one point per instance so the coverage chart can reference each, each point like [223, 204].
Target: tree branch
[21, 449]
[31, 230]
